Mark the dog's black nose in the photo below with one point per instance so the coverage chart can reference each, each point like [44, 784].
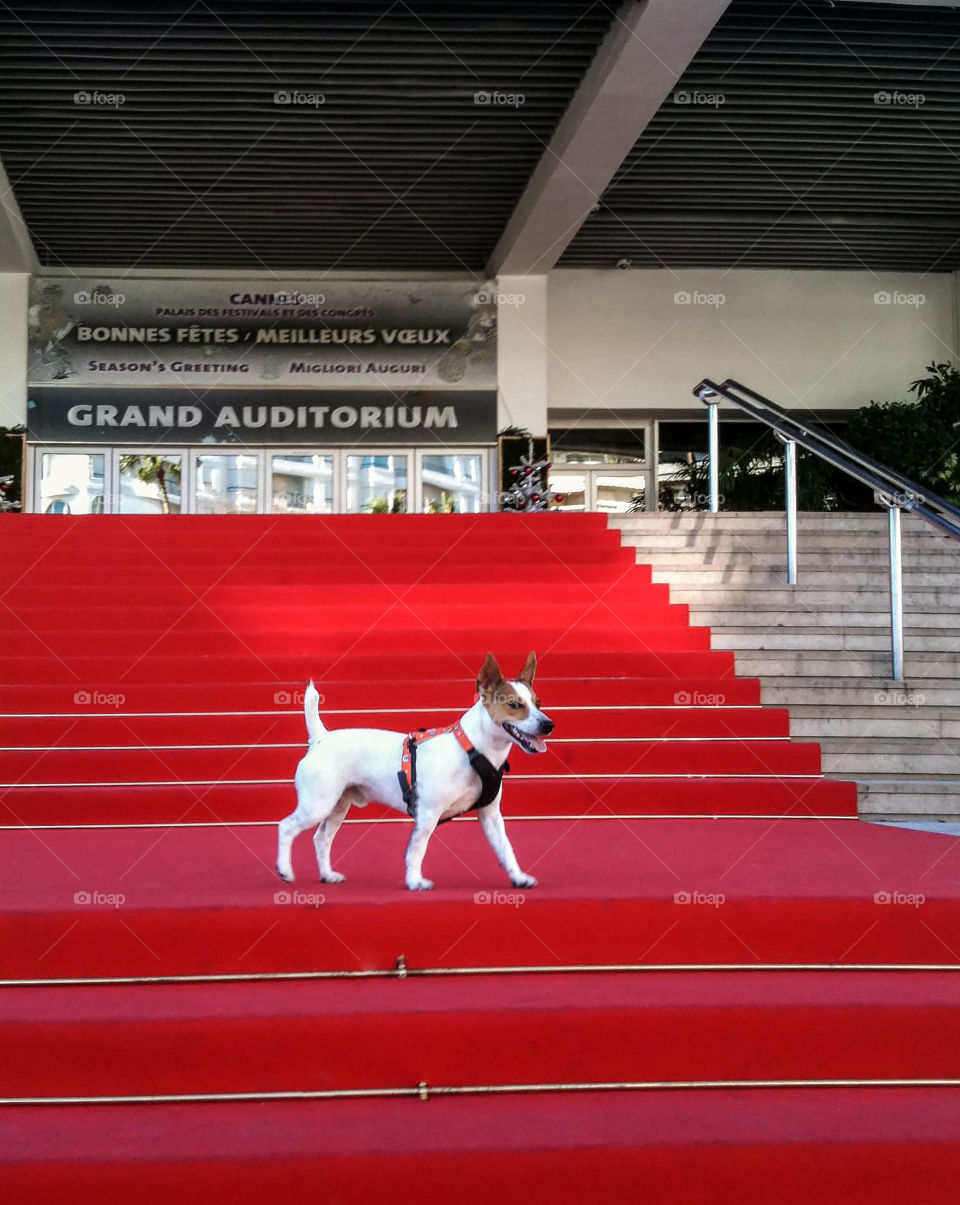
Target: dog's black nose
[546, 727]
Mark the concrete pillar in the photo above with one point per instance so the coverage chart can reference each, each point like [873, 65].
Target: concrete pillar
[14, 287]
[522, 352]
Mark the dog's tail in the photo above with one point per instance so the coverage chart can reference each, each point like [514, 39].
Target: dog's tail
[311, 713]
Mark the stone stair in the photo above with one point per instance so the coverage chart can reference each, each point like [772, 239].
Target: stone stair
[822, 647]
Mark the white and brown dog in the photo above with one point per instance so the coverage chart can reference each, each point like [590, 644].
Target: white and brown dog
[454, 771]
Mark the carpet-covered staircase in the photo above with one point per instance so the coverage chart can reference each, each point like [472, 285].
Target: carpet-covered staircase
[724, 987]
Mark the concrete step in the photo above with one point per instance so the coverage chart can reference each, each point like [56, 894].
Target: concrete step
[752, 558]
[696, 575]
[866, 664]
[774, 520]
[779, 596]
[894, 756]
[822, 647]
[770, 553]
[900, 799]
[798, 691]
[773, 541]
[917, 722]
[822, 639]
[762, 615]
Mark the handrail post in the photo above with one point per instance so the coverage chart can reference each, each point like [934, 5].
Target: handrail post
[714, 455]
[790, 468]
[896, 594]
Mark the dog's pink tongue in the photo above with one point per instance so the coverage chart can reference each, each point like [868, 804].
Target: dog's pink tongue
[539, 745]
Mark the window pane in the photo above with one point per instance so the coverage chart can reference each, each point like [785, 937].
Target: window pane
[71, 483]
[149, 485]
[376, 484]
[573, 487]
[226, 485]
[585, 445]
[451, 484]
[619, 493]
[302, 485]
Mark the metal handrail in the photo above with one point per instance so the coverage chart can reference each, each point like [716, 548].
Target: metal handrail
[908, 494]
[891, 489]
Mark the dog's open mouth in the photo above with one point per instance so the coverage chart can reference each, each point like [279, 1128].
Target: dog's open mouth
[528, 743]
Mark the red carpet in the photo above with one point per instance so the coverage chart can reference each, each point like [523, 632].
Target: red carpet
[206, 900]
[150, 723]
[717, 1146]
[524, 1028]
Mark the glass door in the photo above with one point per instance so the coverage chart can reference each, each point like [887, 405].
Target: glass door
[147, 482]
[301, 484]
[212, 480]
[71, 482]
[226, 483]
[376, 483]
[451, 482]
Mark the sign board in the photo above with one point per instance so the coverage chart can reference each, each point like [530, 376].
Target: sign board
[349, 417]
[199, 335]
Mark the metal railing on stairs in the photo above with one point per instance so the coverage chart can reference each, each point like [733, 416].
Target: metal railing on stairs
[891, 489]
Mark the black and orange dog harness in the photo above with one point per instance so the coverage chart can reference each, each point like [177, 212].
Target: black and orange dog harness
[490, 777]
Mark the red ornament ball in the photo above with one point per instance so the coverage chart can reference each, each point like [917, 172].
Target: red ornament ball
[559, 497]
[534, 497]
[527, 471]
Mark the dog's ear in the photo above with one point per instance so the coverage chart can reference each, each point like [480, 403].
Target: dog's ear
[489, 675]
[529, 669]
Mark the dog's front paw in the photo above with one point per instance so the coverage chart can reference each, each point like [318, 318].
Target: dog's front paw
[524, 880]
[419, 885]
[334, 876]
[286, 876]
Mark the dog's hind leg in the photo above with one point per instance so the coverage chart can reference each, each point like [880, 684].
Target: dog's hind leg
[323, 839]
[318, 792]
[289, 828]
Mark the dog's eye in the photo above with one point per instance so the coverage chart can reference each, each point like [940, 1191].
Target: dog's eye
[514, 705]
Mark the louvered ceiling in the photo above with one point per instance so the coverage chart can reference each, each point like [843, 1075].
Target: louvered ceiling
[799, 167]
[398, 167]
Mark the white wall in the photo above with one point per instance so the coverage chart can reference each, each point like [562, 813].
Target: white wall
[624, 339]
[13, 348]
